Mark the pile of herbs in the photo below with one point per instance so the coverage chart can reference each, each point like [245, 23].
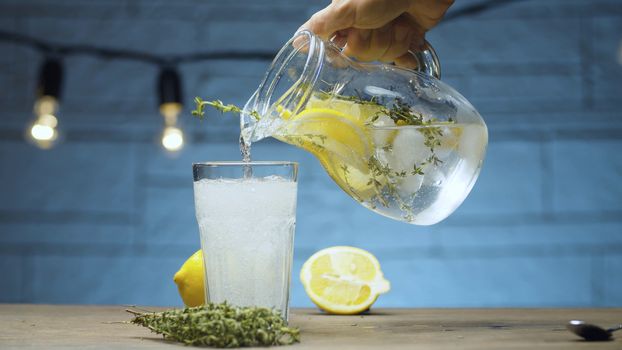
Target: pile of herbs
[220, 325]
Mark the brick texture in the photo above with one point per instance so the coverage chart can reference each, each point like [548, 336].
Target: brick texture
[108, 217]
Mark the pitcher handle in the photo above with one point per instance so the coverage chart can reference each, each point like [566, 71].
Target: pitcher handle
[427, 61]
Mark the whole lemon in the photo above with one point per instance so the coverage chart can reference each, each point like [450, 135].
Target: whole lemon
[190, 280]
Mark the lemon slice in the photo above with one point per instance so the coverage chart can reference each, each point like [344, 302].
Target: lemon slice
[363, 112]
[339, 140]
[343, 280]
[333, 131]
[190, 280]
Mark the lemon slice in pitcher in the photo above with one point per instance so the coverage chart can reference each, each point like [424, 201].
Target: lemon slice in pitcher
[339, 140]
[363, 112]
[343, 280]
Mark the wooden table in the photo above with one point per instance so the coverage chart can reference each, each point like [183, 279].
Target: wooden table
[97, 327]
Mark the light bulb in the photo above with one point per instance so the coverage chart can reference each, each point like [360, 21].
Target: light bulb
[170, 111]
[172, 139]
[43, 131]
[46, 105]
[170, 97]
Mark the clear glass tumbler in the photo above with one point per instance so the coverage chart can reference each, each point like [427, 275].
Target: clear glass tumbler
[247, 214]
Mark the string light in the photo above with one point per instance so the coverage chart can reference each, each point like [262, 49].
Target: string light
[169, 91]
[42, 131]
[172, 139]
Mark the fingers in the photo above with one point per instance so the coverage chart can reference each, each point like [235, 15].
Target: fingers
[373, 30]
[407, 60]
[405, 35]
[361, 14]
[387, 43]
[429, 12]
[341, 38]
[367, 44]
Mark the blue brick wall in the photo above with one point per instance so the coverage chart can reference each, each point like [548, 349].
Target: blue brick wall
[107, 217]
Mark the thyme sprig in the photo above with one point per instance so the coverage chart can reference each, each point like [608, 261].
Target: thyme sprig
[385, 184]
[220, 325]
[200, 104]
[402, 114]
[327, 95]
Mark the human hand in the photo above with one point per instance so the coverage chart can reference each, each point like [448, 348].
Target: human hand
[379, 30]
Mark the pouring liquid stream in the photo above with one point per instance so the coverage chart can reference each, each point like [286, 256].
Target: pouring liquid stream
[245, 150]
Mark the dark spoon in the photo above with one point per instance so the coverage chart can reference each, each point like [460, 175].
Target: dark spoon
[591, 332]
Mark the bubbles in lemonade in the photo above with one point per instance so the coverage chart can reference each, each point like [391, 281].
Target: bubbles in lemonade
[417, 171]
[246, 228]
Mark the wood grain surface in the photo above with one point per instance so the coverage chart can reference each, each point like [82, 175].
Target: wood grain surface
[102, 327]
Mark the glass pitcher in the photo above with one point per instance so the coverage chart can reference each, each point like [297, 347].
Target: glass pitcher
[401, 142]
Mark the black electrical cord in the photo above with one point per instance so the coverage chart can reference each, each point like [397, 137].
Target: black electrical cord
[50, 78]
[476, 9]
[51, 48]
[169, 86]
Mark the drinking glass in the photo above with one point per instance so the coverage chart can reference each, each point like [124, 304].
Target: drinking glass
[246, 212]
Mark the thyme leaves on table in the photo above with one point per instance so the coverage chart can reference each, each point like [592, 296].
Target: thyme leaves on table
[220, 325]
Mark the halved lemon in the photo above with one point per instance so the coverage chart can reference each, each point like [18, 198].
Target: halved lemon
[343, 280]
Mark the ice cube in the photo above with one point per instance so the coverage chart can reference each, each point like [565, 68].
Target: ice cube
[383, 156]
[449, 138]
[473, 142]
[408, 149]
[410, 184]
[382, 137]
